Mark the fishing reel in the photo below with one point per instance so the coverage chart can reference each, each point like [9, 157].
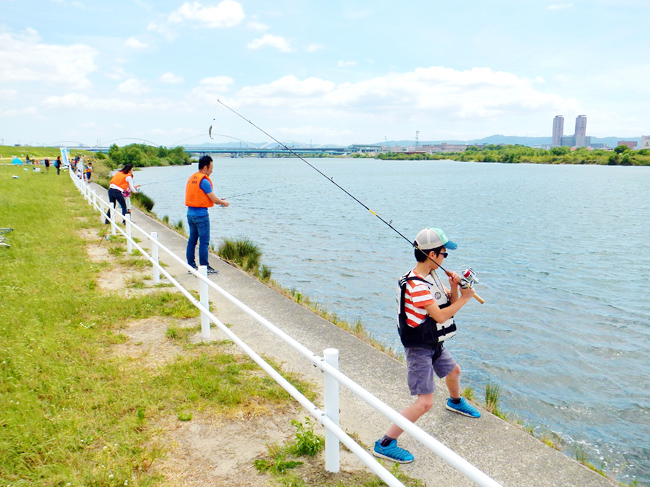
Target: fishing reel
[468, 278]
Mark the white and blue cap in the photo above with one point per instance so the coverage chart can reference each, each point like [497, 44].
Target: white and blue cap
[432, 238]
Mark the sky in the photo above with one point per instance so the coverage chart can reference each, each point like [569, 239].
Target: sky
[319, 72]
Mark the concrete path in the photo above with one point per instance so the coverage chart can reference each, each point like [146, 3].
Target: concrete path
[503, 451]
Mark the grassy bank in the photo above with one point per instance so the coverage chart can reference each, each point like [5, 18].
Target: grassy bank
[8, 152]
[72, 411]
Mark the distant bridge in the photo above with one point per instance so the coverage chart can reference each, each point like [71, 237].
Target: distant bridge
[269, 152]
[265, 151]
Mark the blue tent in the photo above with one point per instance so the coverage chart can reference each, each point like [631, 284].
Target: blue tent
[16, 161]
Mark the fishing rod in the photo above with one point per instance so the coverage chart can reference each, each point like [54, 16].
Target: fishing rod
[468, 278]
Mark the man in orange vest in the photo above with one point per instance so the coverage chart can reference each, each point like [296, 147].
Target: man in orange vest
[199, 196]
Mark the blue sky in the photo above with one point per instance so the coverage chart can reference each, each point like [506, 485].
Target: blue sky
[321, 72]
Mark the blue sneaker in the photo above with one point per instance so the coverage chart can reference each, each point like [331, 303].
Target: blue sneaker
[463, 407]
[392, 452]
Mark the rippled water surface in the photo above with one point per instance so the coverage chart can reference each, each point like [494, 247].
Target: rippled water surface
[562, 254]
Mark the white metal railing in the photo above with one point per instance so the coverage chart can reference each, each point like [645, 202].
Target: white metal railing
[327, 364]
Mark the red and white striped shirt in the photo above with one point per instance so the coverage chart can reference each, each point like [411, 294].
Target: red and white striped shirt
[417, 296]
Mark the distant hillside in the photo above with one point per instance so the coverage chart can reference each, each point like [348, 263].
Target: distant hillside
[507, 140]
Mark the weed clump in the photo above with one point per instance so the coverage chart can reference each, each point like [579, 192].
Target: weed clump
[246, 255]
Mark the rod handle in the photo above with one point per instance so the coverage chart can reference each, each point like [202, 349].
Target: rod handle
[479, 299]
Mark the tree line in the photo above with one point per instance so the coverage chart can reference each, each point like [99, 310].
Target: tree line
[142, 155]
[513, 154]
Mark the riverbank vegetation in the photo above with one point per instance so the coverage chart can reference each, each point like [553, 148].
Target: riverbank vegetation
[142, 155]
[513, 154]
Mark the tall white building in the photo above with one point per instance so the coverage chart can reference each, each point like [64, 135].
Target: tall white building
[581, 131]
[645, 142]
[558, 131]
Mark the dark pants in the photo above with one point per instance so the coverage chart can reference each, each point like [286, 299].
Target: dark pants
[115, 195]
[199, 231]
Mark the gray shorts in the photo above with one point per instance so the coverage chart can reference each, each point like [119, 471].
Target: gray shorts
[421, 366]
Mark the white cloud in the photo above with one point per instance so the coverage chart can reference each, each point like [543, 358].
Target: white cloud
[135, 43]
[446, 93]
[8, 94]
[85, 102]
[314, 47]
[560, 6]
[171, 78]
[279, 43]
[254, 25]
[345, 64]
[30, 111]
[163, 29]
[227, 14]
[133, 86]
[282, 90]
[117, 73]
[211, 89]
[26, 58]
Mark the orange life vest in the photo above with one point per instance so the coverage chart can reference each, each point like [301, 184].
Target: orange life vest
[120, 180]
[194, 195]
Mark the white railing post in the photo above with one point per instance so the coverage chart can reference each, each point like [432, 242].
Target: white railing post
[102, 211]
[205, 302]
[94, 198]
[112, 213]
[332, 456]
[154, 255]
[129, 240]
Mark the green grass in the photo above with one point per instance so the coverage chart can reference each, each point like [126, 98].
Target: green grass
[492, 396]
[287, 464]
[9, 151]
[71, 411]
[243, 253]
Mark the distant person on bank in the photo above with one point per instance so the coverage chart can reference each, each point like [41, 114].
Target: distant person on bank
[199, 196]
[57, 164]
[425, 316]
[120, 182]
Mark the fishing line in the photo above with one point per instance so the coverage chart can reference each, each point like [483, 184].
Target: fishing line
[331, 180]
[257, 191]
[165, 181]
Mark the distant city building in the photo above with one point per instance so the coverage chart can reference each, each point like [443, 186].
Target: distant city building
[568, 141]
[558, 130]
[578, 139]
[645, 142]
[581, 131]
[362, 149]
[444, 147]
[628, 143]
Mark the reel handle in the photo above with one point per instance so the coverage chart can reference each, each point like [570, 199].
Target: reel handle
[476, 296]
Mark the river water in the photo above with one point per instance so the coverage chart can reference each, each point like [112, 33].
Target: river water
[562, 254]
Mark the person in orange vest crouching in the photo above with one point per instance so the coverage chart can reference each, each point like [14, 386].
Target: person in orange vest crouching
[121, 181]
[199, 196]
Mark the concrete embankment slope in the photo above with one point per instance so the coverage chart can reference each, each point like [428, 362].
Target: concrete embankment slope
[501, 450]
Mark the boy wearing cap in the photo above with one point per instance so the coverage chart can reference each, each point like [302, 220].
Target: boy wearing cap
[426, 310]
